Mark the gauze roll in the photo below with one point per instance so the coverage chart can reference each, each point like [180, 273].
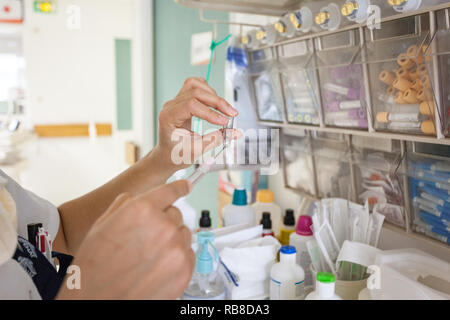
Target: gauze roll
[8, 223]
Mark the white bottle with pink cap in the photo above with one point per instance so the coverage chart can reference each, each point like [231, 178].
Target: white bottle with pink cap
[298, 239]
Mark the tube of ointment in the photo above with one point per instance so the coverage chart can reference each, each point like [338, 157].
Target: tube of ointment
[374, 229]
[351, 104]
[348, 92]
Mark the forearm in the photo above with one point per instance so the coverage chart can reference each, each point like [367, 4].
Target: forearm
[78, 215]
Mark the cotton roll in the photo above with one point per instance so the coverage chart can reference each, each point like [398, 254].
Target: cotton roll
[428, 127]
[416, 85]
[391, 91]
[403, 73]
[399, 98]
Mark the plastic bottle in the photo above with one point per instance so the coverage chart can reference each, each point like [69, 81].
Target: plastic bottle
[287, 228]
[238, 212]
[325, 286]
[267, 225]
[265, 203]
[205, 221]
[206, 284]
[287, 277]
[298, 239]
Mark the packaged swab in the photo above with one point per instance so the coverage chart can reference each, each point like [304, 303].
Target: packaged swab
[327, 243]
[374, 229]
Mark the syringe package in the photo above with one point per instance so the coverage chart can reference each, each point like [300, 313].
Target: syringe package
[430, 197]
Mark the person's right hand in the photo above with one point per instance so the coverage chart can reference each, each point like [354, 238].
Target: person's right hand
[139, 249]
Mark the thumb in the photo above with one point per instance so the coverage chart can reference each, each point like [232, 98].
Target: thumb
[117, 203]
[163, 197]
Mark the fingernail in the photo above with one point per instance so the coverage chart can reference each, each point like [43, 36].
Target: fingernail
[223, 120]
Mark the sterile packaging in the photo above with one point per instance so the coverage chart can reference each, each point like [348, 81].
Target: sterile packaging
[429, 183]
[250, 262]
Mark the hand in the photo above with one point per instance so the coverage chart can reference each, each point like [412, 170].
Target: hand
[176, 139]
[138, 249]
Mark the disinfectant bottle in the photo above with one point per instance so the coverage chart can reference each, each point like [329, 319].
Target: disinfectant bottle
[205, 221]
[267, 225]
[287, 277]
[298, 239]
[265, 203]
[287, 228]
[324, 288]
[238, 212]
[206, 283]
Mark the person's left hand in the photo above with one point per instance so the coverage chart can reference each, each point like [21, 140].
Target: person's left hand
[178, 146]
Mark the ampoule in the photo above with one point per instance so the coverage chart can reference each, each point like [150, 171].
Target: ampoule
[411, 5]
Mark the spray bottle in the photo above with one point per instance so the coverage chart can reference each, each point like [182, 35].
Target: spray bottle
[206, 284]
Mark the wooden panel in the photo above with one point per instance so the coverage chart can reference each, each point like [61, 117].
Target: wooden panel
[71, 130]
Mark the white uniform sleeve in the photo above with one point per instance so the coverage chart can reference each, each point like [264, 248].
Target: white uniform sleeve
[32, 209]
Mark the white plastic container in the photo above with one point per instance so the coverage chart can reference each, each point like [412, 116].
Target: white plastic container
[238, 212]
[298, 239]
[287, 278]
[325, 285]
[265, 203]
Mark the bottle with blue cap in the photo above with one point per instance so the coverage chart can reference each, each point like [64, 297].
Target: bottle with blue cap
[206, 283]
[287, 278]
[238, 212]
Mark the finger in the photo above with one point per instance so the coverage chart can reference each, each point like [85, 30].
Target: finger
[211, 100]
[164, 196]
[186, 237]
[192, 83]
[116, 204]
[175, 216]
[185, 110]
[214, 139]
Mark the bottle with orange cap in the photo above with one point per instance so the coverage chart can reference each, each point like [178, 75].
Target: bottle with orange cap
[265, 202]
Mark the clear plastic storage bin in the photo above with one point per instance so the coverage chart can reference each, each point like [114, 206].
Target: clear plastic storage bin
[332, 161]
[299, 83]
[265, 83]
[400, 82]
[438, 55]
[298, 162]
[341, 79]
[379, 182]
[429, 181]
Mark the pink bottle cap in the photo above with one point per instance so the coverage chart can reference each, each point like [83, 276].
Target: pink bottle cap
[304, 226]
